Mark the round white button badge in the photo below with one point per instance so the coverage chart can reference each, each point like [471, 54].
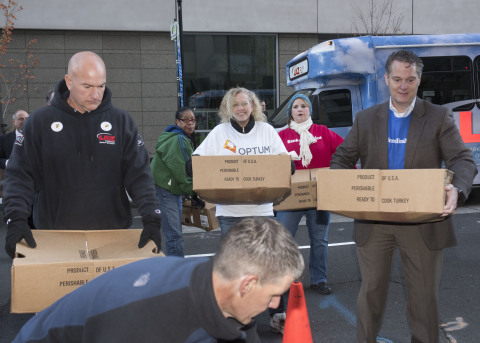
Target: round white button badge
[106, 126]
[57, 126]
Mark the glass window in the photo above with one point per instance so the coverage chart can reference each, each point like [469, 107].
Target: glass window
[333, 108]
[447, 80]
[477, 79]
[215, 63]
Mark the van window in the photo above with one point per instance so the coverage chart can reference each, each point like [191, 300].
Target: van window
[477, 78]
[447, 79]
[332, 108]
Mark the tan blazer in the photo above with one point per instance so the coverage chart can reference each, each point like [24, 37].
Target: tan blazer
[432, 138]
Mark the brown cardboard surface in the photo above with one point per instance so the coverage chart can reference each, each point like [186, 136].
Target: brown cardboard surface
[65, 260]
[252, 179]
[203, 218]
[406, 195]
[303, 194]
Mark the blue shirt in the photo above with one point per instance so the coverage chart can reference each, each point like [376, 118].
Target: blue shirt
[397, 140]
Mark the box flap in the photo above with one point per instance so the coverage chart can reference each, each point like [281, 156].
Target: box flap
[301, 175]
[75, 245]
[66, 260]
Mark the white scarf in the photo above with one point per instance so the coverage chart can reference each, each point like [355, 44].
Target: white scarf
[306, 138]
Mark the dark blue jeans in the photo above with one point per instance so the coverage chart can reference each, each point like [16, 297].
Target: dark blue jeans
[318, 223]
[171, 208]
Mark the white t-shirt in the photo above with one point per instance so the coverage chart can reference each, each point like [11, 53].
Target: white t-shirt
[224, 140]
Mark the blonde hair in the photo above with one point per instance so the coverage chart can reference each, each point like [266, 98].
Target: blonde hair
[225, 111]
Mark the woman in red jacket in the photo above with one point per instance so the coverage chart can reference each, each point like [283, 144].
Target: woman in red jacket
[314, 145]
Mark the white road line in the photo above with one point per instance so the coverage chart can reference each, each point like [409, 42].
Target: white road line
[300, 247]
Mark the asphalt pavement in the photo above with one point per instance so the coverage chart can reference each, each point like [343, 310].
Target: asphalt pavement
[332, 317]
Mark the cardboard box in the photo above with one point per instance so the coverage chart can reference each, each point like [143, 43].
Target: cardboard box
[303, 194]
[252, 179]
[65, 260]
[404, 195]
[203, 218]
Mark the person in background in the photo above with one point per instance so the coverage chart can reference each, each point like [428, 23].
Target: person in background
[405, 132]
[264, 107]
[7, 140]
[204, 299]
[6, 146]
[314, 144]
[173, 150]
[78, 158]
[243, 128]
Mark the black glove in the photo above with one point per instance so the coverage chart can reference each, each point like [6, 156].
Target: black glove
[292, 167]
[16, 230]
[197, 202]
[151, 230]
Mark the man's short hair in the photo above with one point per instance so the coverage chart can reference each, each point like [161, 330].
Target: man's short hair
[404, 56]
[258, 246]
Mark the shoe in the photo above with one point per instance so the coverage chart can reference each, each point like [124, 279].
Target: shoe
[321, 288]
[277, 323]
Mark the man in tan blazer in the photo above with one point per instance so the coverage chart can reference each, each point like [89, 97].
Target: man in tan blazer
[405, 133]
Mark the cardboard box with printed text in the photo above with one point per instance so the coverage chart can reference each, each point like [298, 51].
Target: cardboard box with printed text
[402, 195]
[66, 260]
[303, 194]
[251, 179]
[203, 218]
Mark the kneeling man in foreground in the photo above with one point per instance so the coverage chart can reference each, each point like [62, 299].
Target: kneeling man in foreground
[171, 299]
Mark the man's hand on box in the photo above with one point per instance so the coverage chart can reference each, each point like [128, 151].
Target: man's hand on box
[17, 230]
[452, 200]
[151, 230]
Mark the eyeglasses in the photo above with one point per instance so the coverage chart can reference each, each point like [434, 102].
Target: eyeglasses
[188, 121]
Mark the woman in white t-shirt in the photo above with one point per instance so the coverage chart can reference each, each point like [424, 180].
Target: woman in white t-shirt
[243, 131]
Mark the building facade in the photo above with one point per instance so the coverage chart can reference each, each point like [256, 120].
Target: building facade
[225, 43]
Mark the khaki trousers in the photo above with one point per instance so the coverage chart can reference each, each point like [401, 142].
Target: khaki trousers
[422, 269]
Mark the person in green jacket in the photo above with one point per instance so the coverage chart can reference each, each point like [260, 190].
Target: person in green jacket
[174, 149]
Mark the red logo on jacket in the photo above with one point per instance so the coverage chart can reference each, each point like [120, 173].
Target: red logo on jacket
[105, 138]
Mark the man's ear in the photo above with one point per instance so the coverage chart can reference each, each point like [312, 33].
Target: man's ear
[68, 81]
[247, 284]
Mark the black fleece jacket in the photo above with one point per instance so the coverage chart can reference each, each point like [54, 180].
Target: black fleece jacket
[78, 168]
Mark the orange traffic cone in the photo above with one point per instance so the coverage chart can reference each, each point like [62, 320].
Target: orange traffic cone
[297, 325]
